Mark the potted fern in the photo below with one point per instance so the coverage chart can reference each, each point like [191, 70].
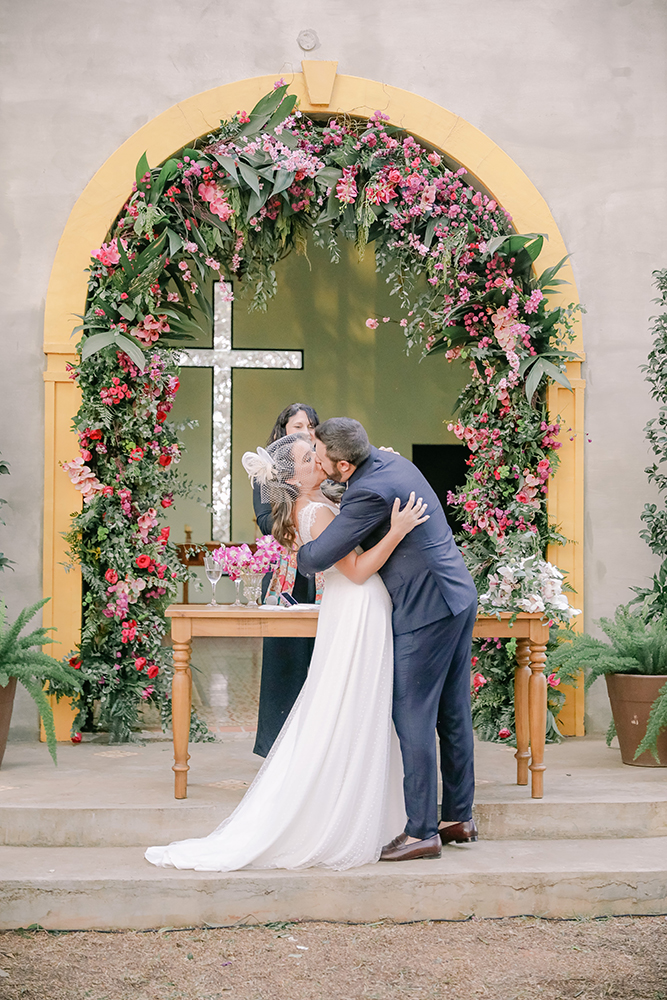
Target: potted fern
[634, 665]
[21, 659]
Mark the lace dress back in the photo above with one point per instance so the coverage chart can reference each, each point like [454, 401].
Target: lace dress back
[330, 792]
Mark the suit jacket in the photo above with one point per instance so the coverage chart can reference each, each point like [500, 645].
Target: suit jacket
[425, 575]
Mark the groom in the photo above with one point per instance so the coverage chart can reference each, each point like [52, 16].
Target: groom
[435, 603]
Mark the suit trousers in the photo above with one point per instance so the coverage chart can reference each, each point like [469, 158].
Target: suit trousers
[432, 695]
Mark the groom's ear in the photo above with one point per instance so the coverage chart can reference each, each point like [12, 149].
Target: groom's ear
[345, 470]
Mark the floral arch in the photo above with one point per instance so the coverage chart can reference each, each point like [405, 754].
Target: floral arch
[135, 297]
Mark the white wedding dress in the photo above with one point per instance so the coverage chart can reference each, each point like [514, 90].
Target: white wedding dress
[330, 792]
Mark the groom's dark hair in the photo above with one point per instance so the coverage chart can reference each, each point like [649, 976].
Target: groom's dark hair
[345, 440]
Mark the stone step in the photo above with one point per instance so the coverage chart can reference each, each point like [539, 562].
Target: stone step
[115, 888]
[102, 796]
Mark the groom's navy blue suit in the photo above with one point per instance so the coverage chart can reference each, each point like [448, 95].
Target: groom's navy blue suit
[435, 603]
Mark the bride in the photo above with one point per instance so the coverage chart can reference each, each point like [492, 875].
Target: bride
[330, 791]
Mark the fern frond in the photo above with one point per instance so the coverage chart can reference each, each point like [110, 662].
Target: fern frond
[657, 722]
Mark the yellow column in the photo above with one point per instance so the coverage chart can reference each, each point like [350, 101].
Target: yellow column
[60, 500]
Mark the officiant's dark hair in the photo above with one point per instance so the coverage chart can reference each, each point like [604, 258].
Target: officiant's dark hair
[345, 440]
[279, 428]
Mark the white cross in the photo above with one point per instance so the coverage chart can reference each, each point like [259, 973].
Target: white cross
[222, 359]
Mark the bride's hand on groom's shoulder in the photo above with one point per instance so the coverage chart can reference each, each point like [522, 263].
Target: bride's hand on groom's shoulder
[414, 513]
[387, 448]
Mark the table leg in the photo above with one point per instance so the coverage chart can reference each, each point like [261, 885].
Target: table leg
[181, 694]
[537, 697]
[521, 681]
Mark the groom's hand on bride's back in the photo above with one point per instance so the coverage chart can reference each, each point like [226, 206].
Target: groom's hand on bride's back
[414, 513]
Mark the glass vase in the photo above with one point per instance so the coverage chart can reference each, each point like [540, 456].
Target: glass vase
[252, 588]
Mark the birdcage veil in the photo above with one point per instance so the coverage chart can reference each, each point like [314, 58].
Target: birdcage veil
[271, 469]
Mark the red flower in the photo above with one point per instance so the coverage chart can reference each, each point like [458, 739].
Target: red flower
[76, 738]
[136, 454]
[478, 681]
[167, 500]
[473, 660]
[143, 561]
[165, 460]
[140, 662]
[153, 670]
[504, 733]
[161, 416]
[75, 662]
[107, 491]
[111, 576]
[95, 435]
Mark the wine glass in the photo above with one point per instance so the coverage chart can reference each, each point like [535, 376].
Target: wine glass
[213, 572]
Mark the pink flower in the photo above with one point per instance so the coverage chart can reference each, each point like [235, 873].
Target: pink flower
[533, 302]
[504, 733]
[346, 188]
[147, 692]
[108, 253]
[434, 159]
[372, 324]
[553, 681]
[478, 681]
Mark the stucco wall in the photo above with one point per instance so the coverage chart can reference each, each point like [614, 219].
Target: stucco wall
[573, 91]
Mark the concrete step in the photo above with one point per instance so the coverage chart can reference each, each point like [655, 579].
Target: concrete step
[115, 888]
[101, 796]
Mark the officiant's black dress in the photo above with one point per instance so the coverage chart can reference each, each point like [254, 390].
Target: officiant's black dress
[285, 659]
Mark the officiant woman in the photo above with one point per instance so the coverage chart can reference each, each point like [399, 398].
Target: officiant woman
[285, 660]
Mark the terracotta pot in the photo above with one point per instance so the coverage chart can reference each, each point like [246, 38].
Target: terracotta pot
[631, 697]
[6, 705]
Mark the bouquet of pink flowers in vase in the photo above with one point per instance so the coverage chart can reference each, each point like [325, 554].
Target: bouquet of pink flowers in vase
[238, 561]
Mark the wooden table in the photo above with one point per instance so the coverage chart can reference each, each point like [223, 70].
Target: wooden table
[530, 684]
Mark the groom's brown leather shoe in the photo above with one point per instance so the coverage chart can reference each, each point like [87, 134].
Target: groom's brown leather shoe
[398, 850]
[459, 833]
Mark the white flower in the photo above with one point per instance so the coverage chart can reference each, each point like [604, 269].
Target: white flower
[531, 604]
[550, 589]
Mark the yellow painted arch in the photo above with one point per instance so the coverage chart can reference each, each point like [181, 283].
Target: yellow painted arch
[103, 198]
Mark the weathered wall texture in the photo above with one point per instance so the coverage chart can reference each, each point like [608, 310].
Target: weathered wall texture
[574, 92]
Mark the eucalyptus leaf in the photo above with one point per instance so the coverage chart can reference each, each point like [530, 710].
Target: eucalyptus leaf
[127, 311]
[556, 374]
[430, 229]
[169, 170]
[283, 180]
[124, 261]
[228, 164]
[269, 103]
[256, 201]
[175, 242]
[96, 343]
[142, 168]
[132, 350]
[249, 176]
[282, 112]
[328, 176]
[534, 379]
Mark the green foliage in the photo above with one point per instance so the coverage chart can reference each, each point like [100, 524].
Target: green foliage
[21, 657]
[4, 561]
[657, 723]
[654, 515]
[493, 717]
[637, 645]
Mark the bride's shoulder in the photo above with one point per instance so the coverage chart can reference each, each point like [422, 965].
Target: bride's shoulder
[313, 519]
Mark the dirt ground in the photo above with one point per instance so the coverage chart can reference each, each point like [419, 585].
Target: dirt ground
[511, 959]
